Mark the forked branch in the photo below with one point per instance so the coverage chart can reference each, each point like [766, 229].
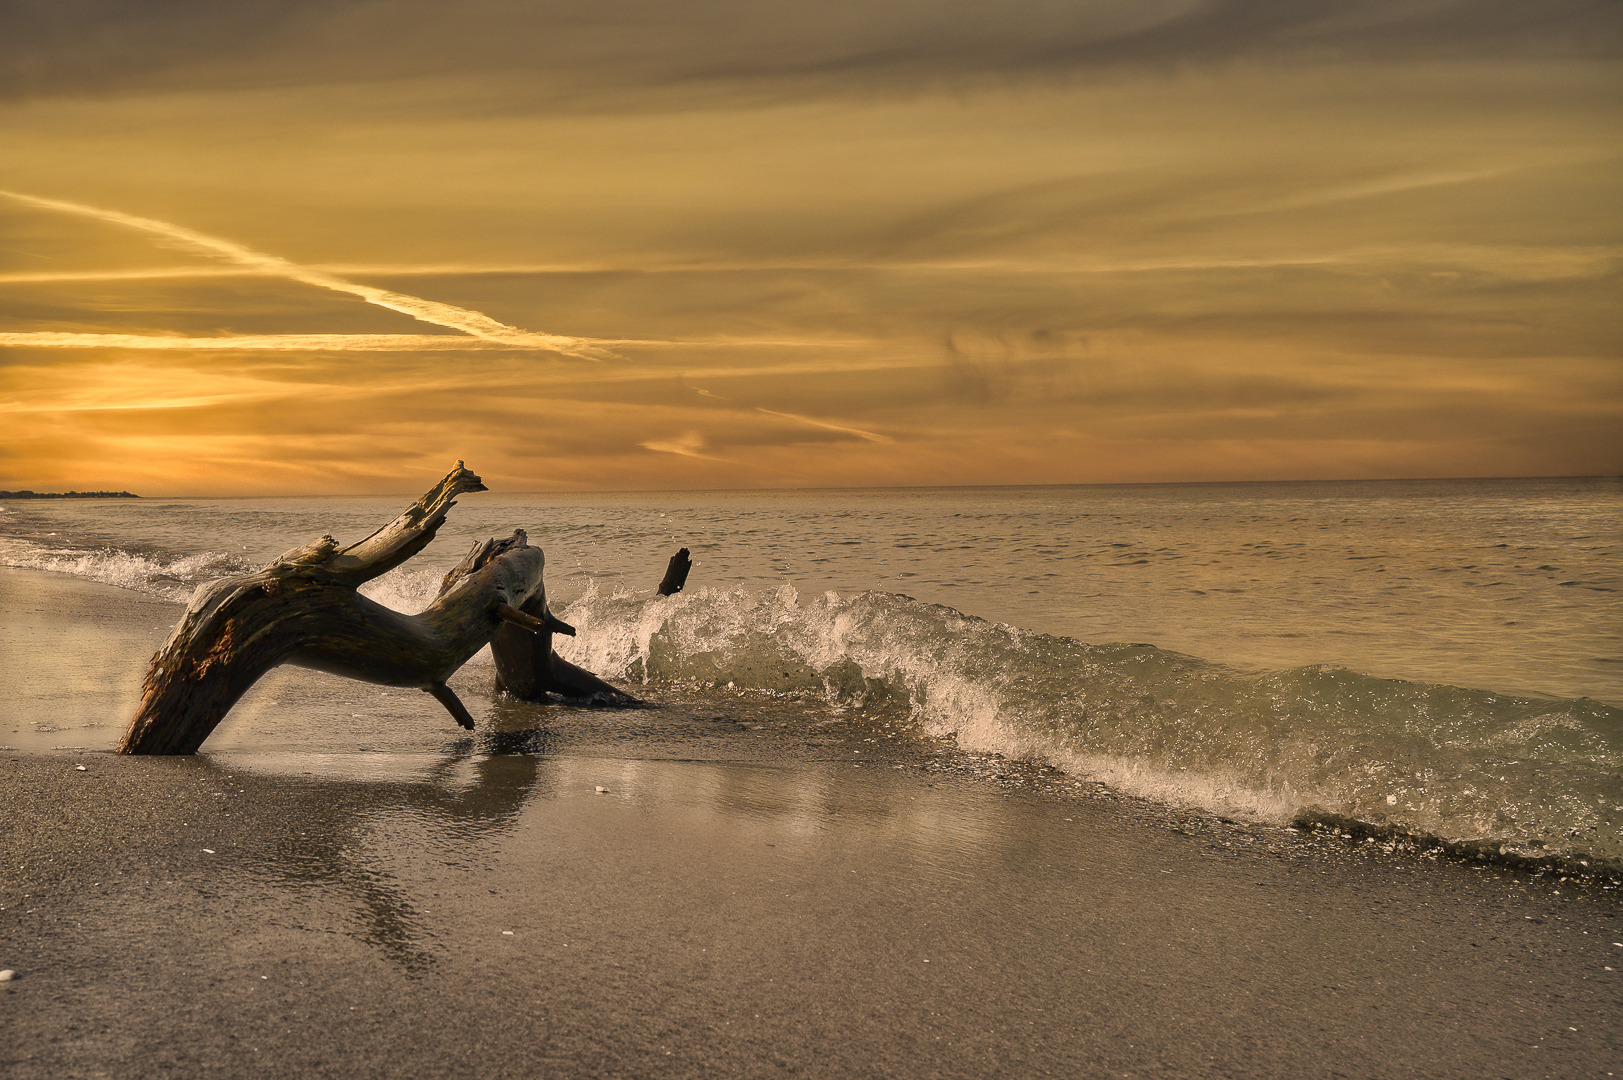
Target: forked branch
[304, 609]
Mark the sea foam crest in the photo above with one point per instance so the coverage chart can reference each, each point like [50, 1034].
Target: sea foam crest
[1534, 776]
[172, 579]
[405, 588]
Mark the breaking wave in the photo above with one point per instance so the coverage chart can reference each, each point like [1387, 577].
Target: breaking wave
[1512, 777]
[170, 578]
[405, 588]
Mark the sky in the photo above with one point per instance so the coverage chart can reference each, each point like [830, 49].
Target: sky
[313, 246]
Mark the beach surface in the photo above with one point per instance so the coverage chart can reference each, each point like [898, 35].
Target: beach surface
[574, 912]
[722, 885]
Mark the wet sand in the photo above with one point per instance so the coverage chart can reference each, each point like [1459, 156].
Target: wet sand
[752, 913]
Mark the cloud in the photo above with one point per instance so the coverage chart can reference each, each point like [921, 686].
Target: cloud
[827, 425]
[687, 444]
[570, 51]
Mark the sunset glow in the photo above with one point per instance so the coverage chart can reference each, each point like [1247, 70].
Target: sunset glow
[275, 248]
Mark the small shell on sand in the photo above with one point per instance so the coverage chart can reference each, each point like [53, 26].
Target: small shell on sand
[7, 975]
[601, 790]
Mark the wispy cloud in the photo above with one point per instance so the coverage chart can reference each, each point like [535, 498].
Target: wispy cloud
[686, 445]
[828, 425]
[1536, 259]
[475, 324]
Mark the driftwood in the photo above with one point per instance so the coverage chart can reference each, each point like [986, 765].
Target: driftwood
[527, 668]
[304, 609]
[676, 574]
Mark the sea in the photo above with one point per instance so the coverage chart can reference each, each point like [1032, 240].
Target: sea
[1433, 659]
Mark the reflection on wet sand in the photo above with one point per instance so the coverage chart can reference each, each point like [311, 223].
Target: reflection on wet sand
[401, 837]
[461, 803]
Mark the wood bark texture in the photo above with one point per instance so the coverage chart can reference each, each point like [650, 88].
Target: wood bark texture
[527, 668]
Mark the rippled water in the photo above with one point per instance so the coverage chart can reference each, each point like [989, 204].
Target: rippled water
[1510, 585]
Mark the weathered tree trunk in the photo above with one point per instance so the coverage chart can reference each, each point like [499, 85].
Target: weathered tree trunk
[527, 668]
[304, 609]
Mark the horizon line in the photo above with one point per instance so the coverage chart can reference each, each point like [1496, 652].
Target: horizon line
[884, 487]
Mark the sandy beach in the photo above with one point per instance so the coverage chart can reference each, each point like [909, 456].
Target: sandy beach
[605, 905]
[344, 884]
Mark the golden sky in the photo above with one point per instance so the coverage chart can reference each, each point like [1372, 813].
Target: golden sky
[280, 246]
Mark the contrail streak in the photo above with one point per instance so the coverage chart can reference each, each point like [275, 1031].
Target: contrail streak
[473, 323]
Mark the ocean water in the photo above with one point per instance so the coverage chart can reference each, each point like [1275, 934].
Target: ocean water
[1438, 658]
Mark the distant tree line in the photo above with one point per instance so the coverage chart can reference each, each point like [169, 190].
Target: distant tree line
[67, 495]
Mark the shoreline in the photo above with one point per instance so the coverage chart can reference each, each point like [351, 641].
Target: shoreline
[83, 634]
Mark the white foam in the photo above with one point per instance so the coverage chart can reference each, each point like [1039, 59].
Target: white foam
[406, 588]
[172, 579]
[1145, 721]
